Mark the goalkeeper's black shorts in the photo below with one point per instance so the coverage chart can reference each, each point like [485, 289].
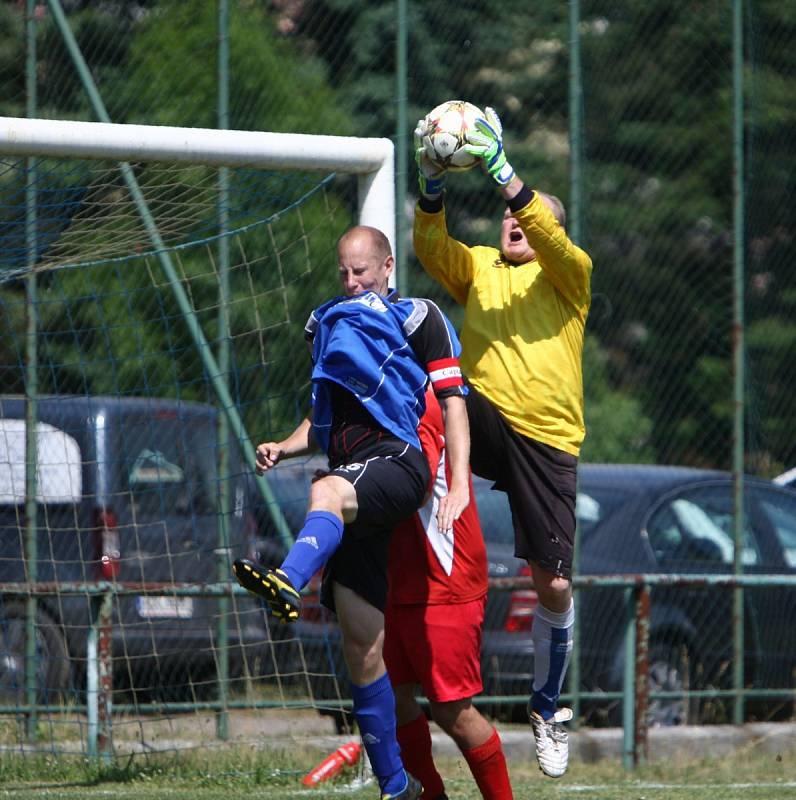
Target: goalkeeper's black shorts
[539, 480]
[391, 478]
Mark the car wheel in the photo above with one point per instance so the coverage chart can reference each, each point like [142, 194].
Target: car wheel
[52, 656]
[670, 670]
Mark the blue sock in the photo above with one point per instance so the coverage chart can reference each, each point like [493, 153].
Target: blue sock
[314, 546]
[374, 709]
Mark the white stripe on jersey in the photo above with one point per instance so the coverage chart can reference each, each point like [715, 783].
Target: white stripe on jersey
[441, 543]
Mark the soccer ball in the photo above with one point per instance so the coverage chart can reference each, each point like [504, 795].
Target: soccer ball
[449, 123]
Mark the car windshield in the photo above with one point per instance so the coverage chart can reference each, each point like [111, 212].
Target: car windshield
[168, 466]
[594, 504]
[781, 513]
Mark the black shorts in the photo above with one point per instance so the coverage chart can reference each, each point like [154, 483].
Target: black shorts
[390, 478]
[540, 481]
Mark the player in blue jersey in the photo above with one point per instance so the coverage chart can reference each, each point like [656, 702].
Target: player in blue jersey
[373, 355]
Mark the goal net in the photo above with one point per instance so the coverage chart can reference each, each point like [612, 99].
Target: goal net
[154, 284]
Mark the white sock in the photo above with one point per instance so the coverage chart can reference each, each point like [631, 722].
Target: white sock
[552, 641]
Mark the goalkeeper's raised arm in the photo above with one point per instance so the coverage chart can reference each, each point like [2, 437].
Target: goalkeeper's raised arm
[522, 342]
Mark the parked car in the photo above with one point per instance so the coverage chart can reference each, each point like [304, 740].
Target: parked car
[632, 519]
[656, 519]
[636, 519]
[128, 490]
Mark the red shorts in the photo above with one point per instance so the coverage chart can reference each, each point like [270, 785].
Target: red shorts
[438, 647]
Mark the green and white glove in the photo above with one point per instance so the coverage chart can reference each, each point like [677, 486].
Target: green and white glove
[430, 177]
[486, 143]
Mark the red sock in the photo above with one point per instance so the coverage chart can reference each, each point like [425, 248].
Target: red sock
[415, 741]
[488, 765]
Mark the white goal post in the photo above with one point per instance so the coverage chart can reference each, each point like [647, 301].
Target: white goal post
[371, 159]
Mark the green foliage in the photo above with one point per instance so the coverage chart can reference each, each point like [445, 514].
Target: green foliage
[657, 152]
[660, 221]
[174, 77]
[12, 55]
[617, 431]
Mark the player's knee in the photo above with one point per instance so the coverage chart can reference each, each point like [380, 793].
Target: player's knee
[462, 721]
[363, 659]
[554, 591]
[331, 494]
[451, 715]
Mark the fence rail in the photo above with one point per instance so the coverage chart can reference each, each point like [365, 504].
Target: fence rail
[635, 695]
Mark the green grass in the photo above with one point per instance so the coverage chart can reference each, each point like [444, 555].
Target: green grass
[276, 776]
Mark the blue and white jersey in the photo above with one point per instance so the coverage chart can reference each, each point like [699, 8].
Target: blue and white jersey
[382, 350]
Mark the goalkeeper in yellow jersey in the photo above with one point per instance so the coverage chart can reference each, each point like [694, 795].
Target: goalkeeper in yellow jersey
[522, 343]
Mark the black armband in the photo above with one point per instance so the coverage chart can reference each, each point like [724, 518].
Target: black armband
[521, 199]
[431, 205]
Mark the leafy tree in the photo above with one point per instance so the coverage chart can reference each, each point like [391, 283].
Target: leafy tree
[617, 431]
[657, 105]
[660, 167]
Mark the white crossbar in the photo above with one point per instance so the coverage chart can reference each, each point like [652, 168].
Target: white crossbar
[371, 159]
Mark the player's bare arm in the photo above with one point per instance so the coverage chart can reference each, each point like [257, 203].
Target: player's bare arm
[512, 188]
[301, 441]
[457, 444]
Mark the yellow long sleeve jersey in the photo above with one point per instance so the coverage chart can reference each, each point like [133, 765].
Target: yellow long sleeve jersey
[522, 338]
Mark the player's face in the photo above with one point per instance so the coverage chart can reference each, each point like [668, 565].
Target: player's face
[513, 243]
[361, 270]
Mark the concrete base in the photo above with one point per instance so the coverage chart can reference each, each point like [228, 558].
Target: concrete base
[680, 742]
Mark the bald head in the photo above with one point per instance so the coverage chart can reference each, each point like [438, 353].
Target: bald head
[365, 237]
[556, 206]
[365, 261]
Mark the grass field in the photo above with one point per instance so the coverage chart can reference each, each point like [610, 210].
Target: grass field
[203, 776]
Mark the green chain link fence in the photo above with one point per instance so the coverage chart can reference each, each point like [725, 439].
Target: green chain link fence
[666, 127]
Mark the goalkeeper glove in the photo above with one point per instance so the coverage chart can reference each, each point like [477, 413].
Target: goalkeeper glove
[486, 143]
[430, 177]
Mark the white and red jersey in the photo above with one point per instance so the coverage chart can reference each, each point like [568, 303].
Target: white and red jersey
[426, 566]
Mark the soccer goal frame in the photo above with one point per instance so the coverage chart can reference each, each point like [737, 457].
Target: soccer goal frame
[370, 159]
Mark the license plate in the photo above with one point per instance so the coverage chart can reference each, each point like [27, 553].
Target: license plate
[162, 607]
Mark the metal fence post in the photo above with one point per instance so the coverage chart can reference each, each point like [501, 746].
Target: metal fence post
[31, 391]
[738, 355]
[99, 677]
[642, 613]
[576, 212]
[628, 688]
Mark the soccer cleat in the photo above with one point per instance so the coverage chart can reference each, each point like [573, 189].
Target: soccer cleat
[552, 741]
[272, 585]
[412, 792]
